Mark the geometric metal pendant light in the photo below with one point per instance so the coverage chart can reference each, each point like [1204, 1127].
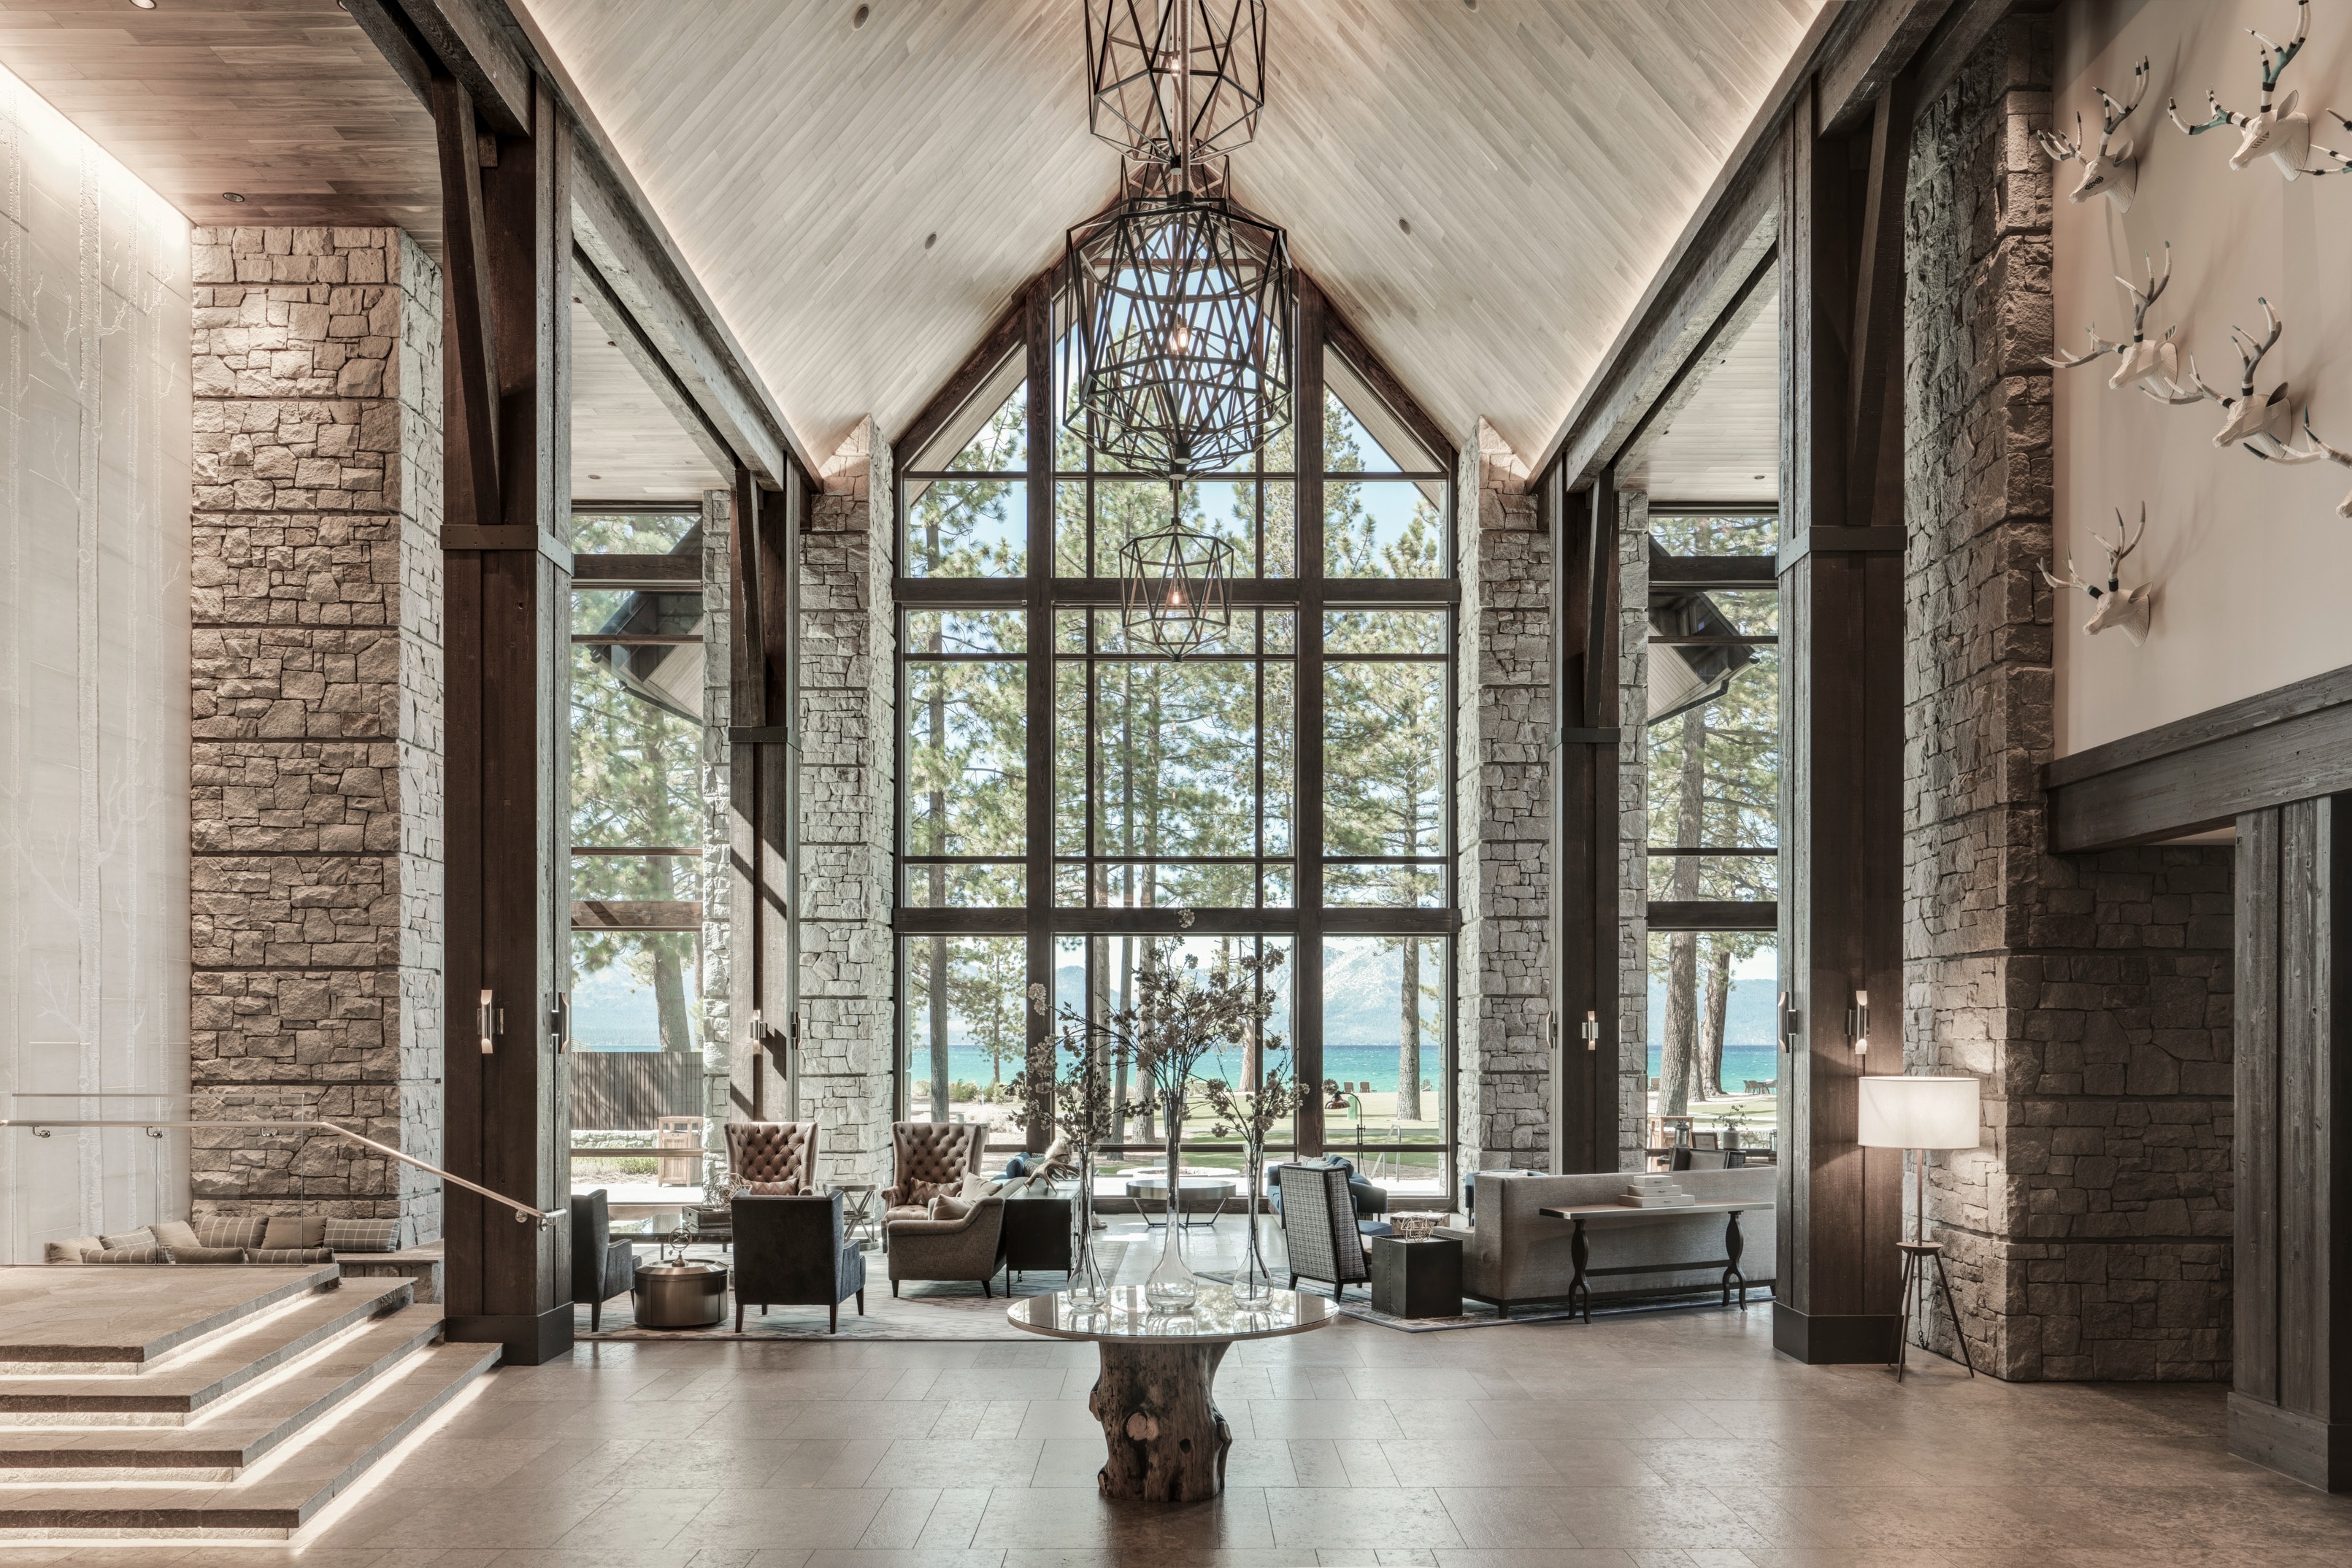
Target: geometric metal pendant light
[1178, 359]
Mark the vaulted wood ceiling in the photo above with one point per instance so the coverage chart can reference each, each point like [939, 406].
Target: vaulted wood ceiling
[1484, 191]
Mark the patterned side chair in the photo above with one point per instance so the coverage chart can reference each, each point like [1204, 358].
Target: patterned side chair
[775, 1159]
[1319, 1228]
[938, 1153]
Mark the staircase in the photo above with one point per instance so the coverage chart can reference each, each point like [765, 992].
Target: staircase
[207, 1402]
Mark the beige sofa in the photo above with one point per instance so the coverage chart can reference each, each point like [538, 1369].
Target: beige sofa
[1514, 1256]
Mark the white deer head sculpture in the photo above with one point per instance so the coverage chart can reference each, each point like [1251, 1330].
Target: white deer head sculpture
[2321, 452]
[2283, 132]
[2109, 170]
[2154, 365]
[2263, 424]
[2127, 612]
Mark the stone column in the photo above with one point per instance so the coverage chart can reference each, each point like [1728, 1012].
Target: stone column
[1503, 1028]
[849, 784]
[2089, 1237]
[315, 789]
[1633, 837]
[718, 877]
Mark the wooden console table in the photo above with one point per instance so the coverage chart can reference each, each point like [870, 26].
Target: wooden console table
[1579, 1248]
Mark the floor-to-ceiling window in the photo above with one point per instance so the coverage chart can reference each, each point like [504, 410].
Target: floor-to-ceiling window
[1714, 756]
[1287, 788]
[636, 814]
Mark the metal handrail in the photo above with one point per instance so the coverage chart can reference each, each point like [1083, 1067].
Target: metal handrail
[524, 1212]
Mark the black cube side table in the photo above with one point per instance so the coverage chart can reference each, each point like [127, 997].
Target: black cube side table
[1417, 1279]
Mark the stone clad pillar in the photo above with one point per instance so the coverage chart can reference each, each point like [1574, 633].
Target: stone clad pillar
[2089, 1236]
[1503, 1024]
[849, 792]
[315, 792]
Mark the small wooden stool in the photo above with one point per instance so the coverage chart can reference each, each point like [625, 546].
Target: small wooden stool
[1916, 1254]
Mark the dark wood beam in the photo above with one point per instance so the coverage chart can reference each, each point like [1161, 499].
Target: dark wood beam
[1965, 25]
[1306, 981]
[1891, 36]
[1713, 914]
[508, 845]
[470, 420]
[606, 310]
[1375, 374]
[672, 573]
[1874, 420]
[1004, 340]
[1727, 234]
[1038, 343]
[1841, 905]
[473, 40]
[1697, 574]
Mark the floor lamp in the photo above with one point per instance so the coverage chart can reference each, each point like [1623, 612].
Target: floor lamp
[1921, 1114]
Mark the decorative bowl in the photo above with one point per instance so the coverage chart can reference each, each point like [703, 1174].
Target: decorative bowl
[1413, 1227]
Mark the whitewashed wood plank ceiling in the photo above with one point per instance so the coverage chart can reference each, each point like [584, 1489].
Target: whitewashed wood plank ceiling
[1483, 192]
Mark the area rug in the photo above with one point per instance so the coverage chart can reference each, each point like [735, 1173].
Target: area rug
[1478, 1315]
[923, 1310]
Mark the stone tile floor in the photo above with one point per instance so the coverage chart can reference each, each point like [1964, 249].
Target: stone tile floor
[1643, 1441]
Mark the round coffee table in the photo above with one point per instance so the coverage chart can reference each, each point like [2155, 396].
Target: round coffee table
[1150, 1192]
[1165, 1439]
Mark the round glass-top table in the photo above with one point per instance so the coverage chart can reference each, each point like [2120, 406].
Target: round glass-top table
[1165, 1440]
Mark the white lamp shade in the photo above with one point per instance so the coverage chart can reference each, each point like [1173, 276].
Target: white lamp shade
[1919, 1113]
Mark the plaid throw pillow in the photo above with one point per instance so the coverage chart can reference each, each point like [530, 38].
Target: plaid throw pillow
[231, 1230]
[129, 1255]
[290, 1255]
[363, 1235]
[125, 1240]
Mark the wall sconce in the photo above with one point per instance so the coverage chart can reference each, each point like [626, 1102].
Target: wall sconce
[1792, 1024]
[486, 1018]
[1591, 1030]
[1857, 1023]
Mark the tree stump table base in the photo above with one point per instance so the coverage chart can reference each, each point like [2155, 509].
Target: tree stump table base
[1162, 1429]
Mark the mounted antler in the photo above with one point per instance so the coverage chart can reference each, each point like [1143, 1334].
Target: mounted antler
[2127, 612]
[2262, 424]
[2109, 170]
[2323, 452]
[2156, 364]
[2284, 133]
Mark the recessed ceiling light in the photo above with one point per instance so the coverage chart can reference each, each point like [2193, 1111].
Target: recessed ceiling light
[144, 4]
[929, 240]
[233, 196]
[1404, 226]
[1469, 4]
[592, 476]
[857, 18]
[1757, 476]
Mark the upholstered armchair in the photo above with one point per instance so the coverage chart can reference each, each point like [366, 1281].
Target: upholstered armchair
[969, 1247]
[774, 1159]
[601, 1268]
[1319, 1228]
[795, 1252]
[935, 1153]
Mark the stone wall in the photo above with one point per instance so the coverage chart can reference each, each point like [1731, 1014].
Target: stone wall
[1503, 1029]
[848, 793]
[314, 797]
[1633, 829]
[2089, 1237]
[717, 879]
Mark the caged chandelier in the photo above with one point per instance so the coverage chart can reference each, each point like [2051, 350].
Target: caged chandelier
[1178, 359]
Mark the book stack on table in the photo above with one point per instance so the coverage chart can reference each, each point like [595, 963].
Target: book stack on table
[1655, 1193]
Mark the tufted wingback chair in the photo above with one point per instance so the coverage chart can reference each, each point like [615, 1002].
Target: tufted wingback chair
[778, 1158]
[935, 1152]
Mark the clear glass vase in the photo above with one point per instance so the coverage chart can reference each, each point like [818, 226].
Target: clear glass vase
[1172, 1287]
[1086, 1287]
[1252, 1284]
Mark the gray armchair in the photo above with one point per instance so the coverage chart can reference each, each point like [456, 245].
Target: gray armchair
[795, 1252]
[602, 1268]
[1319, 1228]
[972, 1247]
[938, 1152]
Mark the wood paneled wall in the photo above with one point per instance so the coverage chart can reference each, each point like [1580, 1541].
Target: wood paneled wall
[2292, 1406]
